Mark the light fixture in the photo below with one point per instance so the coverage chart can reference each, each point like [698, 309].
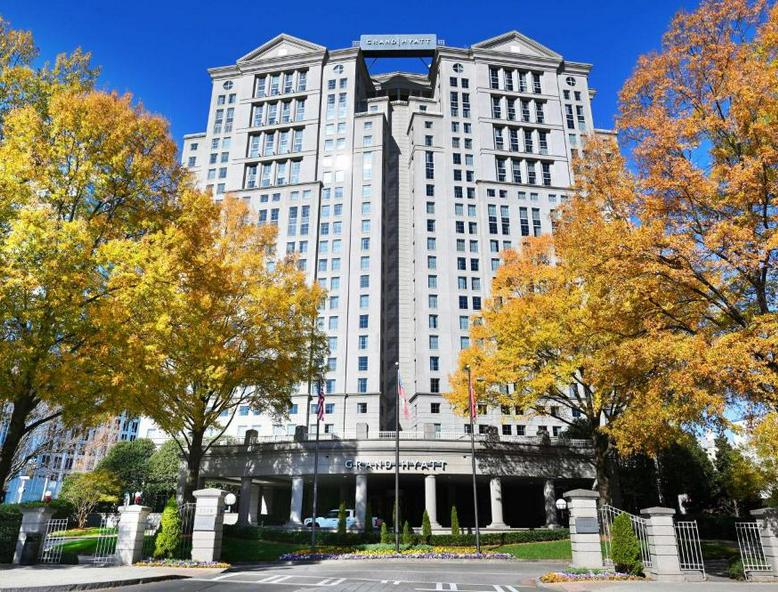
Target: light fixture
[561, 504]
[230, 499]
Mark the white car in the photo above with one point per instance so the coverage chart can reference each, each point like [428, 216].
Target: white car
[330, 520]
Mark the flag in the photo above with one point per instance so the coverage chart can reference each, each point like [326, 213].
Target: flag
[401, 395]
[472, 399]
[320, 403]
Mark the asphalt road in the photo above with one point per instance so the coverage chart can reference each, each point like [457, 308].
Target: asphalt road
[366, 576]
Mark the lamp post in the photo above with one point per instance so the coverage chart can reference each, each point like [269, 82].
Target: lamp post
[471, 395]
[561, 505]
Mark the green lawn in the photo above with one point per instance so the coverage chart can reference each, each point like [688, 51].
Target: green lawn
[719, 549]
[249, 550]
[85, 546]
[543, 550]
[85, 532]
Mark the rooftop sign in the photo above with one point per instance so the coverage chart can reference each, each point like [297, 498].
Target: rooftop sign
[408, 45]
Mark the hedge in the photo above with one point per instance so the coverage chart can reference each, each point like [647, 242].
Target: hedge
[10, 521]
[303, 537]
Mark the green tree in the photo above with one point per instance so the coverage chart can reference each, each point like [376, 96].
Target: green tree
[455, 531]
[625, 549]
[426, 527]
[169, 535]
[86, 490]
[129, 461]
[163, 469]
[386, 537]
[407, 538]
[342, 520]
[739, 479]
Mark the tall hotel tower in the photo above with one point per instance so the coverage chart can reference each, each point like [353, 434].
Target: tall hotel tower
[397, 192]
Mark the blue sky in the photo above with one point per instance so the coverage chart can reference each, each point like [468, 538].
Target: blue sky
[159, 51]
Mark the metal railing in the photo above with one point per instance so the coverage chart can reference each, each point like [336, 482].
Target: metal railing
[749, 540]
[105, 549]
[689, 547]
[53, 541]
[446, 435]
[607, 515]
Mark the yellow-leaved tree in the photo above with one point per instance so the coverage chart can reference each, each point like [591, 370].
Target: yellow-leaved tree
[209, 320]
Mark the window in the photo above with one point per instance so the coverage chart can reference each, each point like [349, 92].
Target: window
[362, 364]
[432, 321]
[434, 407]
[433, 342]
[364, 301]
[481, 409]
[494, 77]
[506, 430]
[496, 110]
[363, 321]
[429, 165]
[362, 388]
[362, 407]
[192, 161]
[434, 385]
[434, 363]
[463, 302]
[464, 323]
[329, 408]
[243, 410]
[362, 342]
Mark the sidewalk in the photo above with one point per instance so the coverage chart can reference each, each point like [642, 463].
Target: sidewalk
[732, 586]
[61, 578]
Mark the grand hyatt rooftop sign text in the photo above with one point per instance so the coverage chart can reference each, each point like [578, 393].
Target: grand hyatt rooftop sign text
[398, 43]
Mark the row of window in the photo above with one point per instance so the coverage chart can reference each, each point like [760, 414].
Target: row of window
[282, 172]
[515, 80]
[506, 107]
[272, 143]
[520, 140]
[278, 112]
[523, 171]
[280, 83]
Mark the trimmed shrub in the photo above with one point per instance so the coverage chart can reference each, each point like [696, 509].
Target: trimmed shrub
[625, 548]
[342, 520]
[426, 527]
[386, 538]
[407, 537]
[455, 532]
[735, 569]
[169, 535]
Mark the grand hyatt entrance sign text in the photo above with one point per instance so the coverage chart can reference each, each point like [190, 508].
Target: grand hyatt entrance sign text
[387, 465]
[398, 43]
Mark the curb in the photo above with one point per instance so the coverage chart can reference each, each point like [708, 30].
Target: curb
[97, 585]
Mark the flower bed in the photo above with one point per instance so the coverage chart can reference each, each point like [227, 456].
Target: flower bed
[188, 563]
[433, 553]
[555, 577]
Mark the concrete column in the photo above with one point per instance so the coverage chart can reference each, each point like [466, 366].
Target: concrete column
[767, 520]
[268, 499]
[495, 499]
[360, 501]
[31, 534]
[431, 500]
[549, 498]
[296, 505]
[663, 545]
[129, 537]
[244, 504]
[208, 524]
[584, 528]
[255, 508]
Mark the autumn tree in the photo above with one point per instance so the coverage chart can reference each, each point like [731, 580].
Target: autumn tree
[212, 322]
[82, 175]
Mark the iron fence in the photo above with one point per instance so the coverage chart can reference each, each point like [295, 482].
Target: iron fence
[187, 513]
[689, 547]
[608, 514]
[150, 534]
[105, 549]
[749, 540]
[53, 542]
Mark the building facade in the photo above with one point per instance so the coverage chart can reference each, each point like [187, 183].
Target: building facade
[397, 192]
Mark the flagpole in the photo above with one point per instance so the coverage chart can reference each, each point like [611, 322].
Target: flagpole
[471, 397]
[315, 473]
[397, 464]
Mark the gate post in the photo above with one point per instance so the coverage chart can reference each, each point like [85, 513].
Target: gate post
[767, 521]
[31, 534]
[130, 534]
[663, 545]
[584, 528]
[208, 524]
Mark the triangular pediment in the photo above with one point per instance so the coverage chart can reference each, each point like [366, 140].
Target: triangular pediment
[515, 42]
[281, 46]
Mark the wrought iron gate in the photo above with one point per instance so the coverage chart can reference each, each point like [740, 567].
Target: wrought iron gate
[749, 540]
[153, 523]
[689, 548]
[607, 515]
[53, 541]
[105, 550]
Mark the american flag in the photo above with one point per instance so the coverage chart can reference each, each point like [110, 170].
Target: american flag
[401, 395]
[320, 402]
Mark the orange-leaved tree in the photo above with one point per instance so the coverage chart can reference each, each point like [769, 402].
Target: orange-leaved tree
[209, 320]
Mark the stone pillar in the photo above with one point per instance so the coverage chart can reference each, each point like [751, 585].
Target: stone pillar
[255, 508]
[584, 528]
[549, 498]
[296, 505]
[31, 534]
[495, 498]
[244, 504]
[208, 524]
[129, 537]
[663, 545]
[360, 501]
[767, 520]
[431, 500]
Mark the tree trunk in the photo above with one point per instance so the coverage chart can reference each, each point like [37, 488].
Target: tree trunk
[601, 466]
[23, 406]
[193, 458]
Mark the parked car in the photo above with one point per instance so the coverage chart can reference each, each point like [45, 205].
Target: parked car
[330, 520]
